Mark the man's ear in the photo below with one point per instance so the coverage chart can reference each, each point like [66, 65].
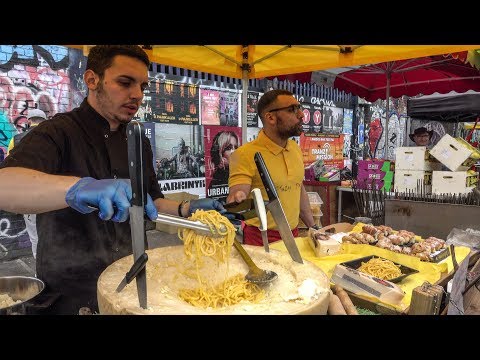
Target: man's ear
[269, 118]
[91, 79]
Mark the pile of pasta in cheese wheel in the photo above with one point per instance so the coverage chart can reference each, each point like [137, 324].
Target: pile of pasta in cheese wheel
[299, 288]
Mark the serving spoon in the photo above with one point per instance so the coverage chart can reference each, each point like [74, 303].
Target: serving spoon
[255, 274]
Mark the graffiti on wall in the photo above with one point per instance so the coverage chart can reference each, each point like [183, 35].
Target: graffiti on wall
[14, 239]
[375, 129]
[46, 77]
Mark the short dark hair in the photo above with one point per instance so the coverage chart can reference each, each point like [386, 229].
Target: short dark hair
[269, 98]
[101, 57]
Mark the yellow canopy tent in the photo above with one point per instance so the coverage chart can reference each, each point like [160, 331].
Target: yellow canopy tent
[258, 61]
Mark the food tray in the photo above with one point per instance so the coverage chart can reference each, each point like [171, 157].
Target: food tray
[406, 271]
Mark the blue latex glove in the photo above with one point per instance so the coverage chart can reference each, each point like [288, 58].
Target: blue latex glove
[210, 204]
[206, 204]
[111, 196]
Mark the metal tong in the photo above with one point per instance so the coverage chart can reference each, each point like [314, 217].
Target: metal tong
[197, 226]
[242, 210]
[178, 221]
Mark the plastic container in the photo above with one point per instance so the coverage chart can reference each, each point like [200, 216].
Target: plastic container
[315, 203]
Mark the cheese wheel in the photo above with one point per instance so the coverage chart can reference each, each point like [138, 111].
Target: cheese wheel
[299, 288]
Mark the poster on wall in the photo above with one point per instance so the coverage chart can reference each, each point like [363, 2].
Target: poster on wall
[144, 113]
[220, 142]
[252, 133]
[229, 112]
[171, 102]
[150, 135]
[312, 118]
[210, 107]
[180, 158]
[361, 133]
[332, 119]
[347, 121]
[194, 186]
[306, 121]
[327, 147]
[219, 107]
[252, 116]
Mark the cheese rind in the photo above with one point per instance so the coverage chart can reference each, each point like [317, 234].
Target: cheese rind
[299, 288]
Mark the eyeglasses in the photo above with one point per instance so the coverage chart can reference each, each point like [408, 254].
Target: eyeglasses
[290, 108]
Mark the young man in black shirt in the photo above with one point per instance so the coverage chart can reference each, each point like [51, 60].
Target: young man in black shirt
[79, 158]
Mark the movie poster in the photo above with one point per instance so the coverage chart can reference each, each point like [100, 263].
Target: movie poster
[332, 119]
[312, 118]
[144, 113]
[174, 103]
[220, 142]
[229, 102]
[180, 158]
[327, 147]
[210, 107]
[219, 107]
[252, 133]
[252, 116]
[150, 135]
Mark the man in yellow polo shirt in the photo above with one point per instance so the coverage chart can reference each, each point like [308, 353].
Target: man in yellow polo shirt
[282, 116]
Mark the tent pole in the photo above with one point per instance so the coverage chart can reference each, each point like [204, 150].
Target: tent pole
[244, 104]
[246, 67]
[385, 146]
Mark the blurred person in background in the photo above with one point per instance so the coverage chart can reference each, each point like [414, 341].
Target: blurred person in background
[421, 136]
[35, 117]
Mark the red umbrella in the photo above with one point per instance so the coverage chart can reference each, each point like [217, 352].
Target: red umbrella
[426, 75]
[411, 77]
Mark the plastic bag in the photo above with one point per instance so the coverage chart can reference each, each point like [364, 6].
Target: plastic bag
[469, 238]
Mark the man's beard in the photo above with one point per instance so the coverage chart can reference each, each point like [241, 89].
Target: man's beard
[104, 101]
[286, 133]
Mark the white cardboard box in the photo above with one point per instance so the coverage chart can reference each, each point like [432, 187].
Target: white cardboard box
[414, 158]
[453, 154]
[409, 180]
[450, 182]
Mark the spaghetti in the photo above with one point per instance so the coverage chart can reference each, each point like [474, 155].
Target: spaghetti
[234, 289]
[381, 268]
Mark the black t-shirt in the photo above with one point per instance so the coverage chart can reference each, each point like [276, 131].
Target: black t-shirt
[73, 248]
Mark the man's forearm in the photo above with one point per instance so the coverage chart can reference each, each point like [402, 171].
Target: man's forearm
[26, 191]
[167, 206]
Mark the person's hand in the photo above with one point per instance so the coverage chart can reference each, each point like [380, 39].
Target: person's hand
[206, 204]
[239, 196]
[210, 204]
[111, 197]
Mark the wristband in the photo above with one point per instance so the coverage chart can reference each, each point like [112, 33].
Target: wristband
[180, 207]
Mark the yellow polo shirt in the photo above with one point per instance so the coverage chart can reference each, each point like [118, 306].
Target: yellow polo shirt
[285, 166]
